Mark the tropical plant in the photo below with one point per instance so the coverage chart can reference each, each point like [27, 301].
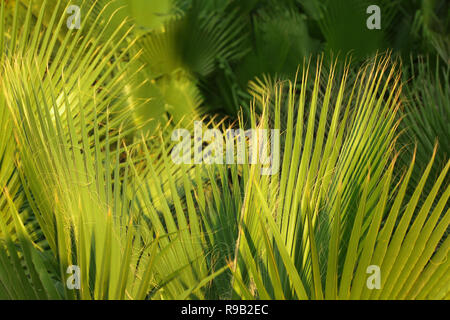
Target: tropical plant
[334, 210]
[87, 179]
[80, 202]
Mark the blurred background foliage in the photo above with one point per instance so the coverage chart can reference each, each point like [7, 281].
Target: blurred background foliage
[206, 52]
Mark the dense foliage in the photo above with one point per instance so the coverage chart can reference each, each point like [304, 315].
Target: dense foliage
[87, 178]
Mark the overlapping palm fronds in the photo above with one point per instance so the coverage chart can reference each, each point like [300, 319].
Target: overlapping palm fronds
[335, 210]
[87, 180]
